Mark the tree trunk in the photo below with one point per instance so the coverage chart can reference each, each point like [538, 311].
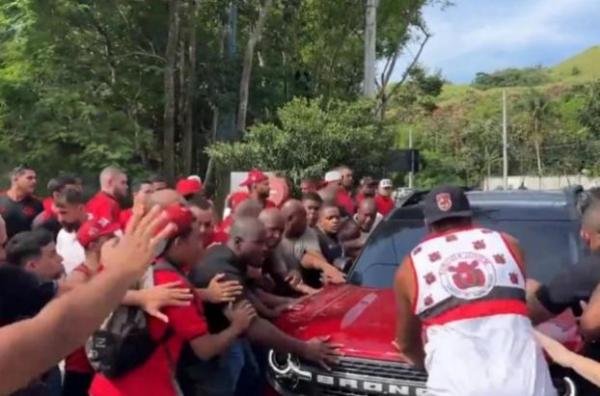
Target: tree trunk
[538, 156]
[187, 143]
[169, 88]
[247, 67]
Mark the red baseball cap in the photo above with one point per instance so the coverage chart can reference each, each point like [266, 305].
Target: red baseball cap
[254, 176]
[188, 186]
[181, 216]
[92, 230]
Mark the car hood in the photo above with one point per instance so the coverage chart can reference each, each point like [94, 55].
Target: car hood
[363, 320]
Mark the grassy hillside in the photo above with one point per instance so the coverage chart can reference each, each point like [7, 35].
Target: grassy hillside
[580, 68]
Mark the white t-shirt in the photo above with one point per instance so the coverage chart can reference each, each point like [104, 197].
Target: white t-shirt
[70, 249]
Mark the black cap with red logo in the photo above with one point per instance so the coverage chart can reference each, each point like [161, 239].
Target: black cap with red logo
[445, 202]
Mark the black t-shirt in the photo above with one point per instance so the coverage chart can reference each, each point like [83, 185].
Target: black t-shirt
[330, 246]
[19, 215]
[571, 286]
[22, 296]
[217, 260]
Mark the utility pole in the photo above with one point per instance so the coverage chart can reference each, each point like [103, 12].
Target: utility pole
[370, 38]
[504, 142]
[411, 174]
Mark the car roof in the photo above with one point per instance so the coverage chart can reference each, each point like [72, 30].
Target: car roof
[511, 204]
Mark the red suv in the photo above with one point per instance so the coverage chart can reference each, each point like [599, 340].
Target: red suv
[361, 315]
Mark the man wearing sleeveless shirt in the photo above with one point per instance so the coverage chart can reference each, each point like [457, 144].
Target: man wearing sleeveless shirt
[465, 287]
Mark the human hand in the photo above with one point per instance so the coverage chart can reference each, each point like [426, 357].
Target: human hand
[333, 275]
[168, 295]
[320, 350]
[240, 315]
[557, 351]
[134, 251]
[293, 278]
[221, 291]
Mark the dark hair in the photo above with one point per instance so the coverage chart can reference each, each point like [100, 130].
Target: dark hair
[19, 170]
[69, 196]
[137, 185]
[56, 184]
[451, 222]
[26, 245]
[312, 196]
[200, 202]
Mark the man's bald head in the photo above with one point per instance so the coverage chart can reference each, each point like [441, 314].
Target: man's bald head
[247, 228]
[295, 218]
[271, 216]
[247, 239]
[164, 198]
[274, 223]
[366, 214]
[590, 220]
[113, 181]
[291, 207]
[248, 208]
[367, 205]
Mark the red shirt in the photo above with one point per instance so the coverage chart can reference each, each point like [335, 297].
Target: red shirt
[154, 377]
[384, 204]
[345, 201]
[124, 217]
[48, 212]
[104, 206]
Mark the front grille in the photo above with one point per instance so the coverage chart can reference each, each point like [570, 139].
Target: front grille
[325, 391]
[381, 369]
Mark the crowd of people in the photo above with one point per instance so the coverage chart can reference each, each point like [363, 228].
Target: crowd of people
[164, 298]
[197, 321]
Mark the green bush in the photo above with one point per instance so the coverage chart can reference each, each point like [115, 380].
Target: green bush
[309, 139]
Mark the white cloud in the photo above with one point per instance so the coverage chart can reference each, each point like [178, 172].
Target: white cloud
[490, 34]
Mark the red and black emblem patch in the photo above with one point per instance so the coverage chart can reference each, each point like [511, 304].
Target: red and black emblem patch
[430, 278]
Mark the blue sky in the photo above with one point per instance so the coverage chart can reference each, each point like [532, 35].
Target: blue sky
[486, 35]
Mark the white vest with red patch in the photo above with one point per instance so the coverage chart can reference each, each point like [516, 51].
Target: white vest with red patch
[471, 298]
[466, 274]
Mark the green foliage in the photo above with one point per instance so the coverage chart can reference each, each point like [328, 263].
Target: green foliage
[511, 78]
[309, 139]
[590, 112]
[81, 83]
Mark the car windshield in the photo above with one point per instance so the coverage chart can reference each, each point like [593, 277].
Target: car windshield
[548, 246]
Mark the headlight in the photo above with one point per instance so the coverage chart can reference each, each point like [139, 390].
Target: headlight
[287, 365]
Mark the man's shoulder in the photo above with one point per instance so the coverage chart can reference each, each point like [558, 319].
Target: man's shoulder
[217, 259]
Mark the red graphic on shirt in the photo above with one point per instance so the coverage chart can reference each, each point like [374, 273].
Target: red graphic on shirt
[28, 211]
[428, 300]
[435, 256]
[514, 278]
[486, 231]
[444, 202]
[499, 259]
[451, 238]
[429, 278]
[467, 275]
[417, 250]
[479, 245]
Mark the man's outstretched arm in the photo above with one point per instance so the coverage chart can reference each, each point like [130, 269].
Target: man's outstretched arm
[30, 347]
[408, 327]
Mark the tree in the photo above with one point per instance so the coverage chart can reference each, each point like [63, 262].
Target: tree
[254, 38]
[309, 139]
[538, 123]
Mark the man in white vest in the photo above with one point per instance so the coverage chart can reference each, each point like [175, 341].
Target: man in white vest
[461, 308]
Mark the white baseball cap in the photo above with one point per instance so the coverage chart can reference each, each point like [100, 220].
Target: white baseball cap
[333, 176]
[384, 183]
